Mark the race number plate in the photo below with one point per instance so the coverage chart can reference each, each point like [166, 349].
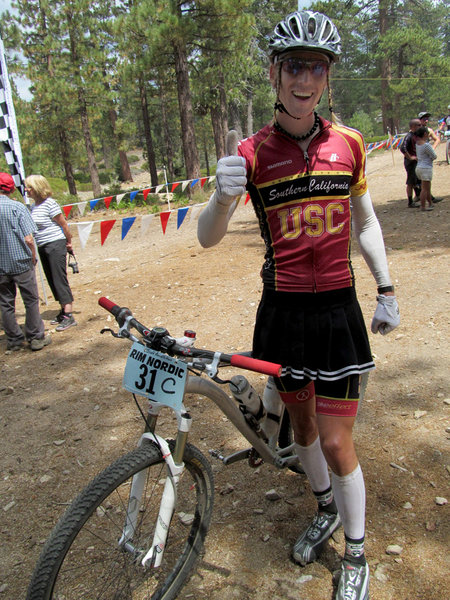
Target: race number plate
[154, 375]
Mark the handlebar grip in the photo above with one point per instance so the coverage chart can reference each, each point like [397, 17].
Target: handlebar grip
[109, 306]
[254, 364]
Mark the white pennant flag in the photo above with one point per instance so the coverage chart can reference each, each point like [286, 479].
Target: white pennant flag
[184, 184]
[82, 208]
[145, 223]
[84, 231]
[119, 198]
[159, 188]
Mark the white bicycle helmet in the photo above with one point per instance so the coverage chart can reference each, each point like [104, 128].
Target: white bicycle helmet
[306, 30]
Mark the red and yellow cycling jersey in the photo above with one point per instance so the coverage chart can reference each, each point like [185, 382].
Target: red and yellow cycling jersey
[302, 201]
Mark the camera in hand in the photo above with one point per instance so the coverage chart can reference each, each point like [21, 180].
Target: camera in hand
[73, 263]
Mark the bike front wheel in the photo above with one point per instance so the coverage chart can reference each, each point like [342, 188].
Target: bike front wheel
[447, 152]
[82, 558]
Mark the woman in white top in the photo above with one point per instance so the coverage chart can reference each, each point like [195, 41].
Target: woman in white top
[54, 240]
[424, 168]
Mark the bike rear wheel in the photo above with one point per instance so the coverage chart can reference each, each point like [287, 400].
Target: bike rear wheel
[82, 558]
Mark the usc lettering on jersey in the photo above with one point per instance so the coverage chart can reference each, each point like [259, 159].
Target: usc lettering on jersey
[302, 201]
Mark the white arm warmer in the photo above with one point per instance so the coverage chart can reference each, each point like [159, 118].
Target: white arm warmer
[213, 221]
[370, 238]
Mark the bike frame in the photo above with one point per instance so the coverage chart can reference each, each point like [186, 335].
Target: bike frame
[195, 385]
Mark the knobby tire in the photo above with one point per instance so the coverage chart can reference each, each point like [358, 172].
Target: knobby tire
[81, 558]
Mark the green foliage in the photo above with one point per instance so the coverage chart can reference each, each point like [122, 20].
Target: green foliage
[108, 51]
[362, 122]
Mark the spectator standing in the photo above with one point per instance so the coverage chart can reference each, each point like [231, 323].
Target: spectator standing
[54, 240]
[17, 270]
[306, 179]
[424, 169]
[424, 117]
[408, 149]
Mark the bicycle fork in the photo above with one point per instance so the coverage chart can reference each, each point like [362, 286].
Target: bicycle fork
[175, 467]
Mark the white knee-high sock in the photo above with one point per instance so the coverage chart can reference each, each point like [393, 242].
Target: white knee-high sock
[350, 495]
[314, 465]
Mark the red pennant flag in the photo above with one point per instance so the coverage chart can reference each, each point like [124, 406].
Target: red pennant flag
[67, 209]
[164, 216]
[203, 180]
[108, 201]
[174, 185]
[105, 228]
[247, 198]
[146, 192]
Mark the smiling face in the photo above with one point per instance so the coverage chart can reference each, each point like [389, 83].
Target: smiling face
[301, 78]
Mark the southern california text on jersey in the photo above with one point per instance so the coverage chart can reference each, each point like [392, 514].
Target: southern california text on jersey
[302, 201]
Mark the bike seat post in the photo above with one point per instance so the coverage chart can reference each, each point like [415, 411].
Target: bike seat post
[184, 427]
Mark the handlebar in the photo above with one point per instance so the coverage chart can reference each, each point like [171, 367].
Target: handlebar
[161, 340]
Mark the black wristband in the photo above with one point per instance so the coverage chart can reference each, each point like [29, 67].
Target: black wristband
[385, 288]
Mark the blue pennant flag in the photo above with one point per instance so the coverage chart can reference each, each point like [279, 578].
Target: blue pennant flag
[127, 223]
[93, 203]
[194, 181]
[133, 195]
[181, 213]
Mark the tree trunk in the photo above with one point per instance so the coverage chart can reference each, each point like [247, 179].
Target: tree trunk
[386, 74]
[148, 135]
[250, 113]
[235, 119]
[190, 151]
[167, 136]
[125, 171]
[64, 149]
[92, 164]
[218, 131]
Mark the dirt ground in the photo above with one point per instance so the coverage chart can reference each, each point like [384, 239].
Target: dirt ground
[64, 415]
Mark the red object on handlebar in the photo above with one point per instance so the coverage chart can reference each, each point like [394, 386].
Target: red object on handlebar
[107, 304]
[254, 364]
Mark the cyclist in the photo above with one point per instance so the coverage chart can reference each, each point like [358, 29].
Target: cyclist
[306, 179]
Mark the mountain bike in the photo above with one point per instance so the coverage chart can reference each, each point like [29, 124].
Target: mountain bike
[137, 530]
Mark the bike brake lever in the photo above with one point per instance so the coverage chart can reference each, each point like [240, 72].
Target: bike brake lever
[111, 331]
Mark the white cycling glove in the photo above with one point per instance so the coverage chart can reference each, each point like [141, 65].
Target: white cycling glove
[230, 179]
[387, 315]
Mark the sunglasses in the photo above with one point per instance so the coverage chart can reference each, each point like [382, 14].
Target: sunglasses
[296, 66]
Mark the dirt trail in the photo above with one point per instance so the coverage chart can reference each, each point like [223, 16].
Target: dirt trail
[64, 416]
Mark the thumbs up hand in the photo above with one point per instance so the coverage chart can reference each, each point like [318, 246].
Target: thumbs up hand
[231, 176]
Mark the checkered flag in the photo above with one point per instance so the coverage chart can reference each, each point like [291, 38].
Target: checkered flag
[9, 136]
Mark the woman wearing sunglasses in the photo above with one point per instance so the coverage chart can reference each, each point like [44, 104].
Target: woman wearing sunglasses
[306, 179]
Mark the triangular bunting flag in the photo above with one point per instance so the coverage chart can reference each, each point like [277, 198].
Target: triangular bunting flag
[105, 228]
[67, 209]
[84, 231]
[159, 188]
[146, 220]
[203, 180]
[127, 223]
[247, 198]
[133, 195]
[174, 185]
[82, 208]
[164, 216]
[181, 213]
[184, 184]
[211, 179]
[194, 181]
[119, 198]
[93, 204]
[146, 192]
[108, 201]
